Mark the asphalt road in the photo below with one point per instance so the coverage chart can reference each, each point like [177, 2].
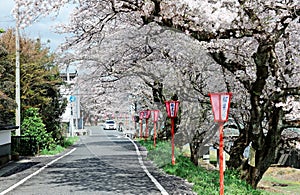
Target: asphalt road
[105, 162]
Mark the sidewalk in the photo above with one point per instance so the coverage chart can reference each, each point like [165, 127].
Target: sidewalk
[27, 162]
[15, 171]
[13, 167]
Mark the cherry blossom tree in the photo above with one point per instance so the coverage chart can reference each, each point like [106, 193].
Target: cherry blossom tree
[157, 71]
[255, 43]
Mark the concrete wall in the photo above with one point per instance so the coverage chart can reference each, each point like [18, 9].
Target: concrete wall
[5, 151]
[5, 146]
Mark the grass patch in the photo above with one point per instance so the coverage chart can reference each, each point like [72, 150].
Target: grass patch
[58, 148]
[281, 180]
[205, 182]
[70, 141]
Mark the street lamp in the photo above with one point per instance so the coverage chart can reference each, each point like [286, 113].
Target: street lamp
[172, 109]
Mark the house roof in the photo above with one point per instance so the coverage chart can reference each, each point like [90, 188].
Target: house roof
[8, 127]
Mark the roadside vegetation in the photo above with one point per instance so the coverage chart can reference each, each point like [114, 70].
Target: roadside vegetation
[39, 86]
[205, 181]
[41, 102]
[33, 125]
[59, 148]
[281, 181]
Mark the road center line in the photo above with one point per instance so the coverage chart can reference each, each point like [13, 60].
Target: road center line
[35, 173]
[157, 184]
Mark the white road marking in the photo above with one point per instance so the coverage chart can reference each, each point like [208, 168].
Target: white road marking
[157, 184]
[35, 173]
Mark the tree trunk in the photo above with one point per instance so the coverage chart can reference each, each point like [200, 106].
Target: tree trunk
[263, 160]
[264, 130]
[236, 152]
[195, 146]
[264, 143]
[194, 153]
[265, 147]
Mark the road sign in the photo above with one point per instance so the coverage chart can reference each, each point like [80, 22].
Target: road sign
[72, 98]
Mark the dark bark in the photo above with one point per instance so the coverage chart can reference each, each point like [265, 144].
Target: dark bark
[195, 145]
[157, 90]
[236, 152]
[265, 123]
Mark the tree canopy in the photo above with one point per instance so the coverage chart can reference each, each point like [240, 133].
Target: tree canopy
[7, 102]
[254, 45]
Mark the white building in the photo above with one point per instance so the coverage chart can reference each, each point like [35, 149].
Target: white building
[71, 116]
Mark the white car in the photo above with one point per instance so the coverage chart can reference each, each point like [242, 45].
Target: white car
[110, 124]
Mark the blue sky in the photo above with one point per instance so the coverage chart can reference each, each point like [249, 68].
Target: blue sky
[43, 29]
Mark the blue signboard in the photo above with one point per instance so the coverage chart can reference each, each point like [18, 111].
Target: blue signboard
[72, 98]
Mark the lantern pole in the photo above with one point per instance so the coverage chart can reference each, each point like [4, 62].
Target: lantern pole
[154, 138]
[141, 128]
[220, 106]
[172, 134]
[221, 145]
[146, 134]
[172, 108]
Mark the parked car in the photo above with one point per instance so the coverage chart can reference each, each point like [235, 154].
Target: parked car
[110, 124]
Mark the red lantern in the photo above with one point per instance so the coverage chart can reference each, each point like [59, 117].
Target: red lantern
[141, 115]
[155, 115]
[172, 108]
[147, 114]
[220, 103]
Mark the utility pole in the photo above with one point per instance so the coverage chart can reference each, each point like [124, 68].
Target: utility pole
[18, 99]
[77, 102]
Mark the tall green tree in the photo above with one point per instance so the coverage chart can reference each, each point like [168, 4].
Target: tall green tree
[7, 103]
[39, 80]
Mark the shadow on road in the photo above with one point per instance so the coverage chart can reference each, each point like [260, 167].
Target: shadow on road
[108, 174]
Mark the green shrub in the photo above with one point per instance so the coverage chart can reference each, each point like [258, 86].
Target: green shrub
[33, 125]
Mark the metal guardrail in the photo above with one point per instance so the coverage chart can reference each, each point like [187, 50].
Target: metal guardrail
[24, 145]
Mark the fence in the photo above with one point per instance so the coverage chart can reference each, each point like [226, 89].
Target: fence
[24, 145]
